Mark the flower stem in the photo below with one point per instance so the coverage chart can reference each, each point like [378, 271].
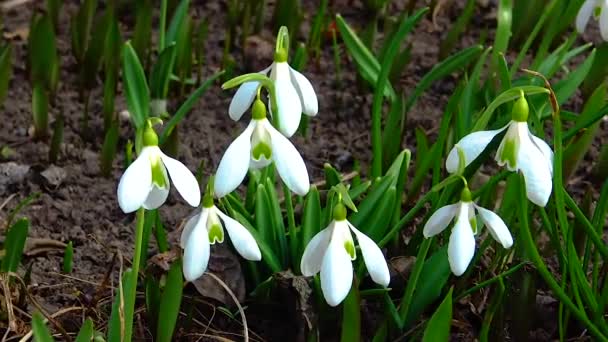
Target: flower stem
[534, 256]
[139, 232]
[163, 24]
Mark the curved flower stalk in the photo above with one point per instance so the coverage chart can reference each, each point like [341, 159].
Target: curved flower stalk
[294, 92]
[596, 8]
[258, 146]
[519, 151]
[331, 252]
[461, 246]
[146, 184]
[207, 228]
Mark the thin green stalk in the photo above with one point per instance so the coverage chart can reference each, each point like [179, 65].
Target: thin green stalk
[588, 226]
[490, 281]
[407, 218]
[531, 37]
[533, 254]
[139, 233]
[163, 25]
[418, 266]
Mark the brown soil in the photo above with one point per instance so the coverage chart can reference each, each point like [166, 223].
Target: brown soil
[81, 207]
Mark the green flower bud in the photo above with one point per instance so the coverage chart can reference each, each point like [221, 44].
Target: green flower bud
[465, 195]
[150, 138]
[258, 112]
[339, 212]
[280, 56]
[520, 109]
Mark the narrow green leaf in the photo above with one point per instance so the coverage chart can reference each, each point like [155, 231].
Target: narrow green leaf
[6, 67]
[109, 147]
[567, 87]
[376, 131]
[455, 62]
[377, 224]
[351, 315]
[40, 110]
[506, 96]
[368, 206]
[504, 17]
[68, 258]
[332, 176]
[169, 303]
[161, 72]
[180, 114]
[14, 244]
[41, 332]
[136, 88]
[368, 66]
[122, 303]
[438, 328]
[176, 22]
[311, 217]
[143, 28]
[86, 331]
[42, 53]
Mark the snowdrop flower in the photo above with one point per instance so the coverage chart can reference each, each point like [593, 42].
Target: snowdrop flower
[519, 151]
[596, 8]
[294, 94]
[146, 184]
[258, 146]
[331, 251]
[206, 229]
[461, 246]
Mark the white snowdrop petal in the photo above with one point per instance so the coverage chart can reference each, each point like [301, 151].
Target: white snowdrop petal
[544, 149]
[156, 197]
[336, 273]
[439, 220]
[308, 97]
[234, 164]
[196, 252]
[373, 258]
[183, 179]
[289, 112]
[314, 252]
[241, 238]
[496, 226]
[136, 183]
[289, 162]
[472, 145]
[536, 171]
[190, 224]
[584, 13]
[242, 99]
[604, 21]
[461, 246]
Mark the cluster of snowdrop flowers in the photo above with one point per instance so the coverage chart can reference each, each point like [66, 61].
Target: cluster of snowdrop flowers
[331, 252]
[461, 246]
[146, 184]
[597, 9]
[519, 150]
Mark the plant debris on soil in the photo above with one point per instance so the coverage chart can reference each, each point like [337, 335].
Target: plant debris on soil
[75, 203]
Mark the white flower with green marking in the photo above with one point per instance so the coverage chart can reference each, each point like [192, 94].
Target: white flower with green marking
[597, 9]
[461, 246]
[294, 94]
[331, 252]
[258, 146]
[207, 228]
[146, 183]
[519, 151]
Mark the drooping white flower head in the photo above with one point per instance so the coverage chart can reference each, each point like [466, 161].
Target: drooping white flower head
[596, 8]
[146, 184]
[207, 228]
[294, 94]
[519, 151]
[331, 252]
[461, 246]
[258, 146]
